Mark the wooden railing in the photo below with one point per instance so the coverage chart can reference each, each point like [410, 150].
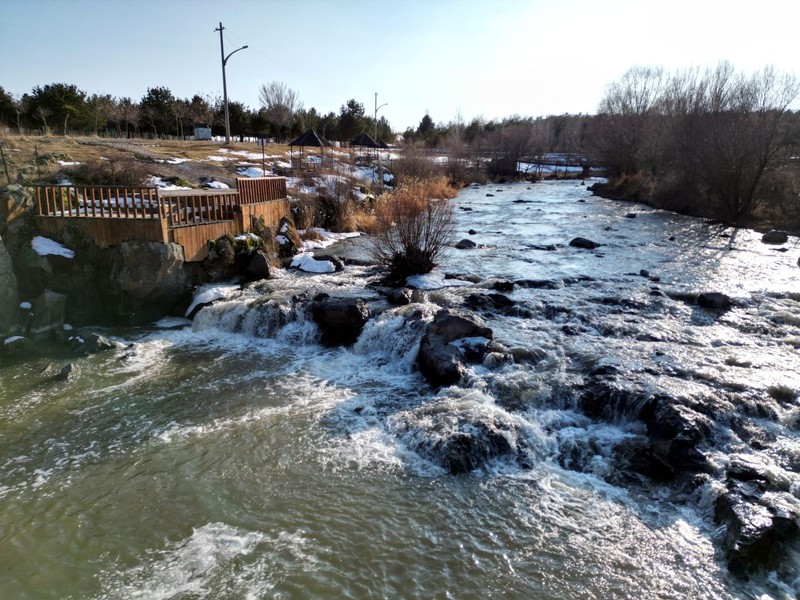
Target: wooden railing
[98, 201]
[183, 208]
[260, 189]
[180, 208]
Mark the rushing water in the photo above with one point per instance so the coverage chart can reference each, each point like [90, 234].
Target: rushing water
[237, 458]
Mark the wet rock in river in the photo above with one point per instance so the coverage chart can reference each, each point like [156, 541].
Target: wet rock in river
[676, 432]
[341, 320]
[581, 242]
[20, 346]
[759, 526]
[461, 441]
[452, 327]
[714, 300]
[503, 286]
[258, 265]
[466, 244]
[439, 361]
[399, 296]
[90, 343]
[775, 237]
[68, 372]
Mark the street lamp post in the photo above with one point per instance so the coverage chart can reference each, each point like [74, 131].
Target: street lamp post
[378, 150]
[224, 83]
[376, 114]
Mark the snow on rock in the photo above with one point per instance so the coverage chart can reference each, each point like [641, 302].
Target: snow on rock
[247, 236]
[44, 246]
[209, 293]
[306, 262]
[25, 305]
[67, 163]
[434, 281]
[12, 339]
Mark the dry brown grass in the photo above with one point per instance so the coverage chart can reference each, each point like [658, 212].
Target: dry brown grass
[414, 224]
[21, 153]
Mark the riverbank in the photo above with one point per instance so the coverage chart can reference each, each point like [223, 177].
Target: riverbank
[779, 212]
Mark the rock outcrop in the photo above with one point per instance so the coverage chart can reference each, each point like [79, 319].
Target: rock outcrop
[439, 361]
[9, 299]
[340, 320]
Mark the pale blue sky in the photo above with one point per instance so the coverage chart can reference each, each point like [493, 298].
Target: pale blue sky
[487, 58]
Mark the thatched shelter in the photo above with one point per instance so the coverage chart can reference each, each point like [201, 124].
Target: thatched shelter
[364, 145]
[308, 139]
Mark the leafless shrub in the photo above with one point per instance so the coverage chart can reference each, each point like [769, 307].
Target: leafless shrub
[416, 164]
[414, 225]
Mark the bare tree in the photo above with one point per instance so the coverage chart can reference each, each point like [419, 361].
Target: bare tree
[280, 103]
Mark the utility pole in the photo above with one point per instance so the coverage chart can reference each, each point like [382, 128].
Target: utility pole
[378, 150]
[224, 83]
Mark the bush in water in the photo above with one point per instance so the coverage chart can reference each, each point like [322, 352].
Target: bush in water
[413, 226]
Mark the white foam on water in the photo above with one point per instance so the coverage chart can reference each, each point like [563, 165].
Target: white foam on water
[194, 567]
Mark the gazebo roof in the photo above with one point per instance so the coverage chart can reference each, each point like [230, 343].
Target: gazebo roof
[309, 138]
[364, 140]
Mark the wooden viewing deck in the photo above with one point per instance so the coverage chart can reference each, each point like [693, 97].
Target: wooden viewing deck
[112, 215]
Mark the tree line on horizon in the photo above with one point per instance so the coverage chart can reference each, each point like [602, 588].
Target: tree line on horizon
[64, 109]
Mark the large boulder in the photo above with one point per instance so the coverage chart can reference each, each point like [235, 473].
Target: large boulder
[148, 279]
[341, 320]
[452, 327]
[775, 237]
[258, 264]
[8, 291]
[49, 310]
[439, 361]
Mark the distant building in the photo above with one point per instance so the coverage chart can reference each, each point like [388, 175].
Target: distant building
[202, 133]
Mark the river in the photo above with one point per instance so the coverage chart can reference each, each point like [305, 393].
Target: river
[237, 458]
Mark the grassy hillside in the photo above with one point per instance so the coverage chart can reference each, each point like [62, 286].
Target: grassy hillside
[40, 159]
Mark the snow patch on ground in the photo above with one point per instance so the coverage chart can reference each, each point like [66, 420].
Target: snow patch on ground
[160, 183]
[25, 305]
[44, 246]
[12, 339]
[217, 185]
